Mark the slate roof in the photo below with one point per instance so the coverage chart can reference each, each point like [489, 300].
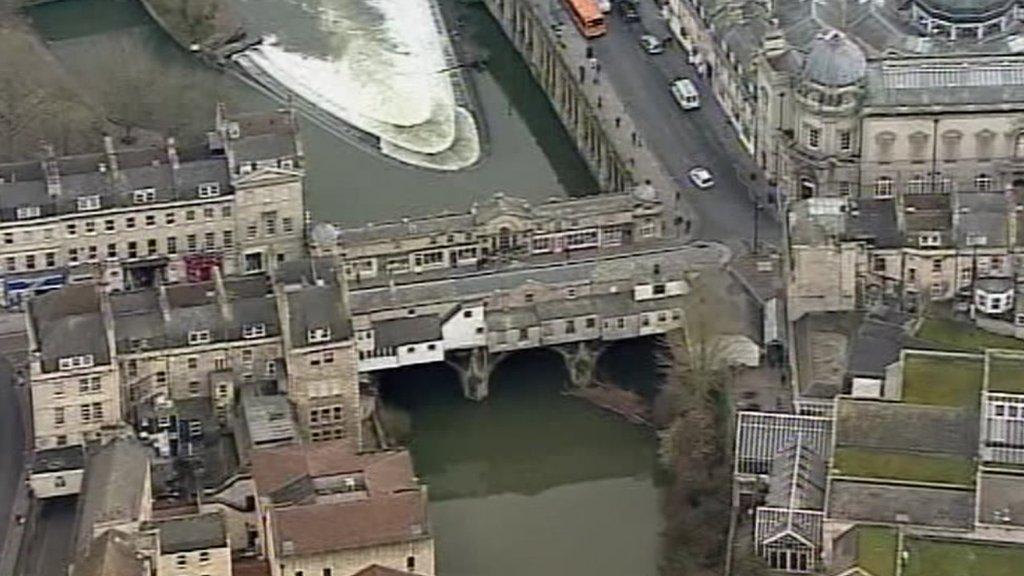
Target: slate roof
[68, 322]
[58, 459]
[190, 533]
[112, 554]
[114, 487]
[400, 331]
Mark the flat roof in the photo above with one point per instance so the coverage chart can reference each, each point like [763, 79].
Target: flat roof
[193, 532]
[872, 501]
[1001, 498]
[942, 380]
[58, 459]
[1005, 374]
[904, 466]
[947, 557]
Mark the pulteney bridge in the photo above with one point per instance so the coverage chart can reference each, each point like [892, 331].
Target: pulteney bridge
[469, 289]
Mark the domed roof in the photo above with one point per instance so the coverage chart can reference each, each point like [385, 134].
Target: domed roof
[965, 11]
[834, 60]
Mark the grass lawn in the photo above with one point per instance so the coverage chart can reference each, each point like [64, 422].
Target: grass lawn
[963, 336]
[942, 381]
[868, 463]
[1006, 374]
[876, 549]
[949, 558]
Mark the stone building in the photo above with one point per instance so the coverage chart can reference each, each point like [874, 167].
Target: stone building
[135, 217]
[327, 509]
[190, 545]
[497, 230]
[866, 99]
[97, 357]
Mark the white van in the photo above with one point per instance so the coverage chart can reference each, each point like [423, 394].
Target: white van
[604, 6]
[685, 94]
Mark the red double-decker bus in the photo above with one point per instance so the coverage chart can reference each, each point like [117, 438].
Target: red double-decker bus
[588, 17]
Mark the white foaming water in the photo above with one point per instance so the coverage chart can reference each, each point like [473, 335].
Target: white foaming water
[383, 72]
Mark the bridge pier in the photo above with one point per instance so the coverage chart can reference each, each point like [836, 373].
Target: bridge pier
[580, 361]
[474, 370]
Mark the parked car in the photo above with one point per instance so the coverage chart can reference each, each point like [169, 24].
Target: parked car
[604, 6]
[651, 44]
[701, 177]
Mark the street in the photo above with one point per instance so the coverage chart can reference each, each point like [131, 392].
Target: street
[12, 449]
[49, 551]
[684, 139]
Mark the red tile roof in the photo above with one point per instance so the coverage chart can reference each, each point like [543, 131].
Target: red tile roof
[384, 472]
[321, 528]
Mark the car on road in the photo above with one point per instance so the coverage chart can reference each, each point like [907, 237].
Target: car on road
[628, 11]
[604, 6]
[651, 44]
[701, 177]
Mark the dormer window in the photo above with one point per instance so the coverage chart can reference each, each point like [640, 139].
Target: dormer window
[929, 239]
[315, 335]
[72, 362]
[197, 337]
[208, 189]
[144, 195]
[26, 212]
[250, 331]
[89, 203]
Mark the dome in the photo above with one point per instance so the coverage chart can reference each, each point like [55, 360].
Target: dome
[834, 60]
[965, 11]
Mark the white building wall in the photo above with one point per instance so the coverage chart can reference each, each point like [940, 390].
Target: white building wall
[349, 562]
[53, 484]
[466, 328]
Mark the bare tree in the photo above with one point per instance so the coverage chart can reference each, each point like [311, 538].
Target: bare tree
[35, 102]
[136, 91]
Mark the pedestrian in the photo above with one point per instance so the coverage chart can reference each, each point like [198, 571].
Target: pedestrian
[600, 101]
[686, 225]
[632, 137]
[618, 121]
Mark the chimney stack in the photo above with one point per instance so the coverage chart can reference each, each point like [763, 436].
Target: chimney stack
[108, 146]
[51, 171]
[172, 153]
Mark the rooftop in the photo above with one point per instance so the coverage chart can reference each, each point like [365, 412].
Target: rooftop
[942, 380]
[1005, 374]
[394, 518]
[872, 548]
[871, 501]
[962, 336]
[935, 557]
[903, 466]
[58, 459]
[115, 486]
[268, 420]
[193, 532]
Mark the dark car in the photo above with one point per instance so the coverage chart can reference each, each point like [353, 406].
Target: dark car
[628, 10]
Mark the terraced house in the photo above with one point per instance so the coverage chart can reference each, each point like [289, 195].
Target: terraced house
[134, 216]
[97, 358]
[876, 496]
[497, 230]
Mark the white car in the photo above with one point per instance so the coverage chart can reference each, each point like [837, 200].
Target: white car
[701, 177]
[651, 44]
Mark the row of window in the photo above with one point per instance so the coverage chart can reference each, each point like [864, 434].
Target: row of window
[885, 186]
[410, 566]
[812, 138]
[132, 221]
[88, 412]
[139, 196]
[131, 249]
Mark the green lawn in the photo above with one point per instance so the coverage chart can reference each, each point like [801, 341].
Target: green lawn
[890, 465]
[963, 336]
[876, 549]
[1006, 374]
[942, 381]
[954, 558]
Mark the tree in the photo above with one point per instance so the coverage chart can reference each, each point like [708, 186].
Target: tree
[137, 91]
[693, 443]
[35, 101]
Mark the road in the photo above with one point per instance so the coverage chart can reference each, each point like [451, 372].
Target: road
[12, 448]
[684, 139]
[49, 551]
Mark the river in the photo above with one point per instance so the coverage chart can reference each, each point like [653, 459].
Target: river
[528, 481]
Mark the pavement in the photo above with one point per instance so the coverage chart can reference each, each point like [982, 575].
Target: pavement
[48, 551]
[13, 449]
[651, 128]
